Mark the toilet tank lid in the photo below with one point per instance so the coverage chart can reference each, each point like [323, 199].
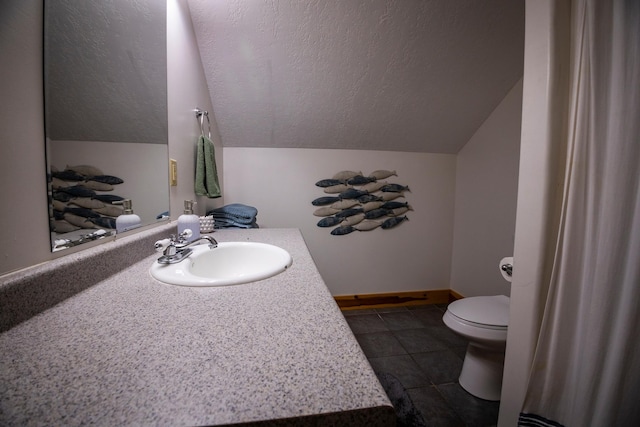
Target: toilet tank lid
[491, 310]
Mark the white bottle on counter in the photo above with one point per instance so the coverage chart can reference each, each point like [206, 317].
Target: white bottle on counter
[188, 220]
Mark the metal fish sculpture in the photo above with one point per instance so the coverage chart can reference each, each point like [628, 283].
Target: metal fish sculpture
[342, 230]
[349, 212]
[367, 225]
[78, 221]
[392, 222]
[110, 210]
[78, 191]
[323, 201]
[352, 193]
[372, 205]
[366, 198]
[360, 180]
[335, 189]
[400, 211]
[108, 198]
[86, 170]
[98, 186]
[68, 175]
[329, 182]
[104, 222]
[87, 202]
[345, 175]
[58, 205]
[373, 186]
[345, 204]
[389, 196]
[84, 212]
[382, 174]
[395, 205]
[354, 219]
[329, 221]
[376, 213]
[394, 188]
[58, 183]
[107, 179]
[61, 196]
[325, 211]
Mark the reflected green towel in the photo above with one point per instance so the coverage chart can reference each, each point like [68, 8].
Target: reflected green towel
[206, 172]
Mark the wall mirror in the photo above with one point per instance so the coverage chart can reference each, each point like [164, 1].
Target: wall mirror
[105, 86]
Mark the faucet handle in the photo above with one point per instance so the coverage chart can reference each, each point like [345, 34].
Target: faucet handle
[161, 245]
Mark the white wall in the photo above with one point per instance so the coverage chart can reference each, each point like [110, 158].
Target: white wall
[485, 208]
[416, 255]
[186, 90]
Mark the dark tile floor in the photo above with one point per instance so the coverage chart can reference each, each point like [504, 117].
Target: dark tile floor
[414, 345]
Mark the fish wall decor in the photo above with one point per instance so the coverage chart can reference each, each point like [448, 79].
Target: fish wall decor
[361, 202]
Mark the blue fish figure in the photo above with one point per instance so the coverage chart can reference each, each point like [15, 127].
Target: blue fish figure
[68, 175]
[329, 221]
[366, 198]
[327, 200]
[61, 196]
[395, 205]
[392, 222]
[352, 193]
[329, 182]
[87, 213]
[342, 230]
[103, 221]
[107, 179]
[108, 198]
[394, 188]
[349, 212]
[360, 180]
[376, 213]
[78, 191]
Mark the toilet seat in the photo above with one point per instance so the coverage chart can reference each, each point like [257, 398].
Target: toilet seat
[491, 312]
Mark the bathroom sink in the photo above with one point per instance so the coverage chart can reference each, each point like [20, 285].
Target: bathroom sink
[231, 263]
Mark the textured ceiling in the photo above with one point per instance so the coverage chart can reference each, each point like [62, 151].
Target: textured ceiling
[399, 75]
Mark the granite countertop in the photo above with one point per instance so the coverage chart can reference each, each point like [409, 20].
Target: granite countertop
[132, 350]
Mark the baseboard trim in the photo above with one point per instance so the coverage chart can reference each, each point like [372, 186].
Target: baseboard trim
[396, 299]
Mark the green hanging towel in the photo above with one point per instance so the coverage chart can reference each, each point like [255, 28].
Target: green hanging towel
[206, 172]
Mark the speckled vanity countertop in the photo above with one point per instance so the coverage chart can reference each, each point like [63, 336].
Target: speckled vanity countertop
[130, 350]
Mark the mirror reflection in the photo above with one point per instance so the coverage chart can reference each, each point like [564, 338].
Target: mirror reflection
[105, 81]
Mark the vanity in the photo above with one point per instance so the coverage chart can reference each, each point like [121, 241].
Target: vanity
[129, 349]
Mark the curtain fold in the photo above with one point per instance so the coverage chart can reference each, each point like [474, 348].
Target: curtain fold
[586, 367]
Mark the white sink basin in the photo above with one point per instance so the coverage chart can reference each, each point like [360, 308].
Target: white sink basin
[231, 263]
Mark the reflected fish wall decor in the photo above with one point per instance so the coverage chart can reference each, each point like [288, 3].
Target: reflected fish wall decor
[361, 202]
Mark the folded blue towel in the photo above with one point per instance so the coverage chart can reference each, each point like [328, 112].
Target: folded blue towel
[235, 215]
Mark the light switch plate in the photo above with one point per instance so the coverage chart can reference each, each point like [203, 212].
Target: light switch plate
[173, 172]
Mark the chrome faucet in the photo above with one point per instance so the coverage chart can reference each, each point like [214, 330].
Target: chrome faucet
[176, 249]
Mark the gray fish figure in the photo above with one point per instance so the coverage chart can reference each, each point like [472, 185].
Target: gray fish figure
[68, 176]
[329, 182]
[395, 205]
[98, 186]
[376, 213]
[329, 221]
[323, 201]
[108, 198]
[342, 230]
[63, 226]
[389, 196]
[87, 202]
[367, 225]
[400, 211]
[78, 191]
[107, 179]
[345, 175]
[348, 212]
[61, 196]
[360, 180]
[325, 211]
[345, 204]
[110, 210]
[371, 206]
[392, 222]
[87, 213]
[86, 170]
[58, 205]
[372, 187]
[366, 198]
[352, 193]
[382, 174]
[335, 189]
[79, 221]
[104, 221]
[354, 219]
[57, 183]
[394, 188]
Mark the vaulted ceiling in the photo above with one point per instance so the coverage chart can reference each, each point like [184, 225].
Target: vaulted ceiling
[397, 75]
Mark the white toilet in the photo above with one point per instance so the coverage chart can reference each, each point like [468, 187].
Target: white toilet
[483, 321]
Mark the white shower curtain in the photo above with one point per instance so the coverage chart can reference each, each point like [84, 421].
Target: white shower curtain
[586, 367]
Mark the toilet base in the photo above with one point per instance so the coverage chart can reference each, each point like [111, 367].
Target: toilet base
[482, 370]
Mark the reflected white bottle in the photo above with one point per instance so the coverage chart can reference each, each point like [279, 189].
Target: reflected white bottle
[128, 220]
[189, 220]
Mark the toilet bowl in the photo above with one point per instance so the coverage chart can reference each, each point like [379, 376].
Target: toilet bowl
[483, 322]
